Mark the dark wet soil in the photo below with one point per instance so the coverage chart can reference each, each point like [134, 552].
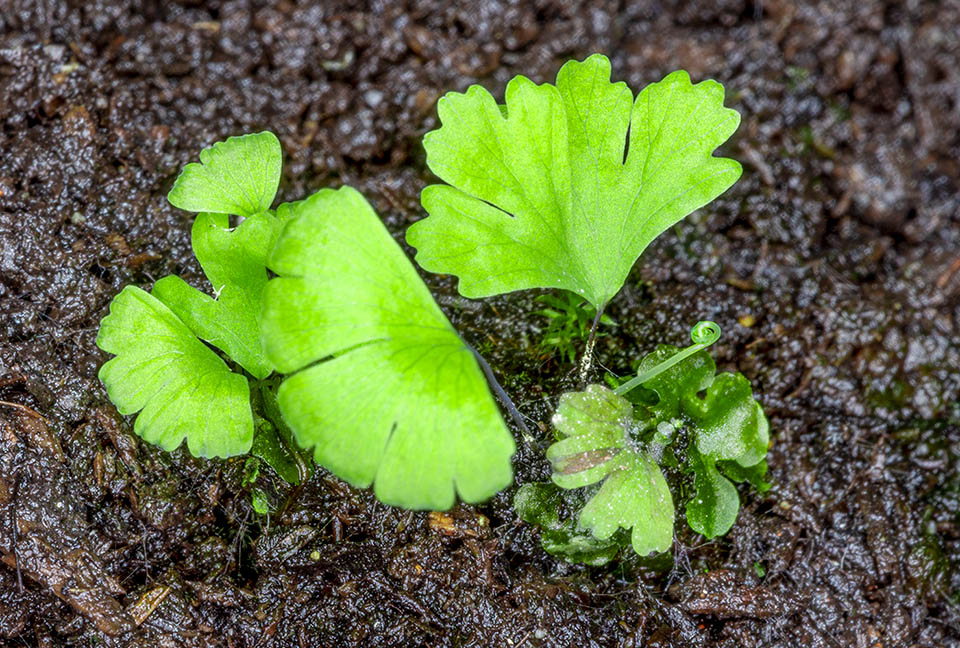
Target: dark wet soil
[833, 267]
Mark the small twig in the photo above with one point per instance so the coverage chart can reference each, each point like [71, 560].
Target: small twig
[586, 363]
[945, 278]
[12, 380]
[502, 395]
[143, 544]
[13, 527]
[148, 603]
[238, 540]
[26, 410]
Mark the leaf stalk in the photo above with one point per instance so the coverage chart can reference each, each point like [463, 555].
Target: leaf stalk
[703, 334]
[586, 362]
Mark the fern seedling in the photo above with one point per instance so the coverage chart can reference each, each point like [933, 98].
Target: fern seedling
[181, 387]
[565, 185]
[380, 386]
[621, 443]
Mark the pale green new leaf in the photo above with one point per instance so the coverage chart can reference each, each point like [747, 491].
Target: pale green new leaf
[234, 261]
[635, 495]
[238, 176]
[539, 193]
[383, 389]
[540, 503]
[179, 385]
[593, 427]
[730, 428]
[727, 427]
[599, 442]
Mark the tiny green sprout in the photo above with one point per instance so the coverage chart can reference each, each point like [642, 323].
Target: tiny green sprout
[260, 502]
[703, 334]
[570, 318]
[251, 471]
[624, 446]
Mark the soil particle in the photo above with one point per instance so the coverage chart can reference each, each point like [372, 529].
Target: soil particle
[725, 595]
[833, 267]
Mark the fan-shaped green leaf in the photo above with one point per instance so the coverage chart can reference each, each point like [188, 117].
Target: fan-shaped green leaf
[238, 176]
[634, 496]
[383, 389]
[179, 386]
[599, 441]
[234, 261]
[540, 193]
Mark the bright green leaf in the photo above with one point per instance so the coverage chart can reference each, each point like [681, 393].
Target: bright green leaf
[539, 193]
[234, 261]
[238, 176]
[179, 386]
[599, 441]
[383, 389]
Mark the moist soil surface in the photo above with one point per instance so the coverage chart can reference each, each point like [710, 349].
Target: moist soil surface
[833, 267]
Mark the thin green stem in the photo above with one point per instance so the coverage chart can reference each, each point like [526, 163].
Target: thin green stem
[703, 335]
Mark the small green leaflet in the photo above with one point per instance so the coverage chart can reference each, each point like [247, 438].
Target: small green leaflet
[540, 503]
[539, 193]
[179, 386]
[604, 437]
[382, 387]
[238, 176]
[234, 261]
[596, 430]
